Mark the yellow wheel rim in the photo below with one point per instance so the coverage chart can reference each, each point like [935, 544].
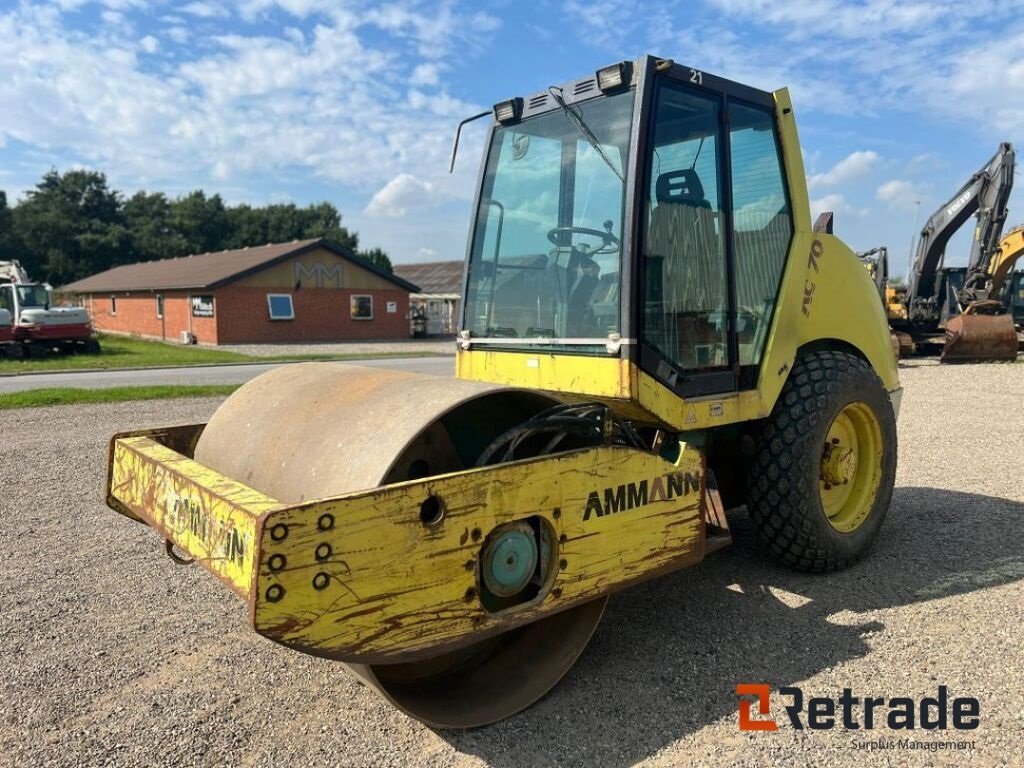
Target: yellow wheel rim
[851, 467]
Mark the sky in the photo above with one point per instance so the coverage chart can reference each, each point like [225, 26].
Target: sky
[897, 102]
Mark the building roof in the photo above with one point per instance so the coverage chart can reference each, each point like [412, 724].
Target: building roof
[212, 270]
[443, 277]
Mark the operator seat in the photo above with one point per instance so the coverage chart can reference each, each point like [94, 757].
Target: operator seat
[683, 236]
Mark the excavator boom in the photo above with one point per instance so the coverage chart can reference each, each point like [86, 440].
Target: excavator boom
[976, 325]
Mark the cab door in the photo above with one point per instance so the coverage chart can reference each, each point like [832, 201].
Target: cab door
[714, 234]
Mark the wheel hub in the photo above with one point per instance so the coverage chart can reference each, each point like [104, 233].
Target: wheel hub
[838, 463]
[510, 560]
[850, 470]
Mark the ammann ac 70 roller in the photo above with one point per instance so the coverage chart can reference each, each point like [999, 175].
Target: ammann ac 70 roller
[652, 333]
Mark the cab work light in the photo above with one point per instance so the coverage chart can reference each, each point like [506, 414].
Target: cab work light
[613, 77]
[508, 111]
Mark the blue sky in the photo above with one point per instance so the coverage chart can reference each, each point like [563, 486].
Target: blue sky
[355, 102]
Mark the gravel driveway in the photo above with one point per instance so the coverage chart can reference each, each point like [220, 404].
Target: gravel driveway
[112, 655]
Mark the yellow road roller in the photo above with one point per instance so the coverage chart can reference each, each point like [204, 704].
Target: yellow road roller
[651, 333]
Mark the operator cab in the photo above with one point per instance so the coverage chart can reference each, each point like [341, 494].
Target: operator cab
[15, 297]
[644, 215]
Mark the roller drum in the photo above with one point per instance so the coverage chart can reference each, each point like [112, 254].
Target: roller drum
[314, 430]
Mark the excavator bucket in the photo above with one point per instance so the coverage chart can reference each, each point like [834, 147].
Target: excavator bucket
[979, 338]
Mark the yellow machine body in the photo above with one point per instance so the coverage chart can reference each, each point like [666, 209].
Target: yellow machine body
[1011, 248]
[360, 514]
[326, 576]
[826, 299]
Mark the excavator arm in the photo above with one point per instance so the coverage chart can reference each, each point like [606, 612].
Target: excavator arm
[985, 194]
[978, 326]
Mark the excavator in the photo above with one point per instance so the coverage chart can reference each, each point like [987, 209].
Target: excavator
[1016, 299]
[959, 310]
[30, 324]
[876, 262]
[651, 333]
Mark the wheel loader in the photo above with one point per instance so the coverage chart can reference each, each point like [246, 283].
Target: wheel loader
[651, 334]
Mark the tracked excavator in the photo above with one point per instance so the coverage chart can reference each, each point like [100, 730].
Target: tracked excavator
[959, 308]
[652, 333]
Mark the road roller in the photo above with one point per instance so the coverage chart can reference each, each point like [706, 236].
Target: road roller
[652, 333]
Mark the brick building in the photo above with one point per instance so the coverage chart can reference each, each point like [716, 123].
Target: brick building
[307, 290]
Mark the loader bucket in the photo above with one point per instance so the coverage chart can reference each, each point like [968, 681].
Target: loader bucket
[976, 337]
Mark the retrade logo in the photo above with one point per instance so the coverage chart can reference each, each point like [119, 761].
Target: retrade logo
[822, 713]
[763, 692]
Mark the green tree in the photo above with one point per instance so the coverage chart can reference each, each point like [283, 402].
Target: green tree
[248, 226]
[152, 228]
[377, 257]
[324, 220]
[284, 222]
[71, 225]
[202, 222]
[8, 240]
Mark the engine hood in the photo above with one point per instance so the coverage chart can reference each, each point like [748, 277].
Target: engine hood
[54, 316]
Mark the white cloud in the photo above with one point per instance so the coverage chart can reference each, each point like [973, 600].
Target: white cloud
[425, 74]
[204, 10]
[856, 165]
[177, 35]
[856, 58]
[833, 202]
[898, 194]
[400, 194]
[233, 106]
[426, 254]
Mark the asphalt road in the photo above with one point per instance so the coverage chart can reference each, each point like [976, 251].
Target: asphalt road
[110, 654]
[212, 374]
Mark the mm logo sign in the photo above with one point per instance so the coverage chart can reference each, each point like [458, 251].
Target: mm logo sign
[621, 498]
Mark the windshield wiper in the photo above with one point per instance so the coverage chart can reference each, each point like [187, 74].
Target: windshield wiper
[577, 120]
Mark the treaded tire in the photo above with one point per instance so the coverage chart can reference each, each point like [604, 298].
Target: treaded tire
[782, 484]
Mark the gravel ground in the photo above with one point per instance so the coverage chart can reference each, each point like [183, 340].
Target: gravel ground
[444, 346]
[112, 655]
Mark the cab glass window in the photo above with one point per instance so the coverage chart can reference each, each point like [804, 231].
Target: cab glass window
[762, 224]
[685, 282]
[544, 265]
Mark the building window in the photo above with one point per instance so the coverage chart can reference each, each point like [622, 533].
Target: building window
[280, 306]
[202, 306]
[159, 306]
[362, 307]
[113, 305]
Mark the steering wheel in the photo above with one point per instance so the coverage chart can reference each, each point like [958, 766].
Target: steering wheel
[609, 242]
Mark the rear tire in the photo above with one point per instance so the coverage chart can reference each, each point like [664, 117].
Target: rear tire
[17, 351]
[92, 347]
[824, 464]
